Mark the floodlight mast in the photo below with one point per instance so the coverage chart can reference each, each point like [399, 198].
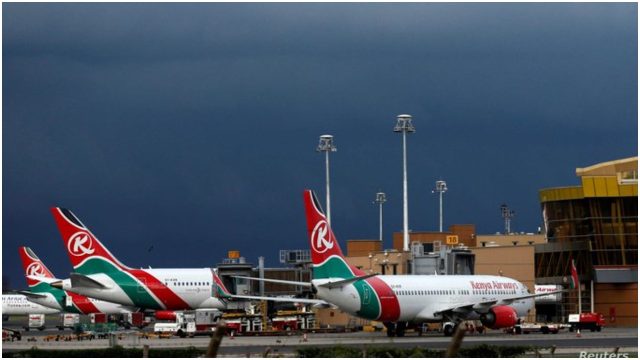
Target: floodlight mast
[381, 198]
[404, 126]
[326, 146]
[441, 188]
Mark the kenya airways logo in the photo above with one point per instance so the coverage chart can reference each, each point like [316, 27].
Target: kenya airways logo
[80, 244]
[319, 241]
[35, 269]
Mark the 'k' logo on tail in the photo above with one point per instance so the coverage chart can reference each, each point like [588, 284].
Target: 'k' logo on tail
[319, 236]
[80, 244]
[33, 266]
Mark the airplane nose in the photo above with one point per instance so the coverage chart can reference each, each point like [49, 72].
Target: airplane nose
[57, 284]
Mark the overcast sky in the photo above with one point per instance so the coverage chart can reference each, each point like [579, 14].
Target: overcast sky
[177, 132]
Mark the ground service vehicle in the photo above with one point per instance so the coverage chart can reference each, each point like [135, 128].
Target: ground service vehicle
[586, 320]
[9, 334]
[36, 321]
[189, 323]
[69, 321]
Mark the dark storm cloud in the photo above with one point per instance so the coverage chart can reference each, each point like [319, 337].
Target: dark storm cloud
[193, 126]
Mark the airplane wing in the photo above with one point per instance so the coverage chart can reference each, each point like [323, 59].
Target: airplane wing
[30, 294]
[339, 283]
[281, 299]
[79, 280]
[329, 285]
[277, 281]
[484, 306]
[46, 280]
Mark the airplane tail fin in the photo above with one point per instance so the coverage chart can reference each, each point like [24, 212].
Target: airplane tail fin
[220, 290]
[326, 255]
[33, 266]
[82, 246]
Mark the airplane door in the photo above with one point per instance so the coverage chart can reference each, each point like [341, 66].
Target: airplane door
[68, 301]
[366, 299]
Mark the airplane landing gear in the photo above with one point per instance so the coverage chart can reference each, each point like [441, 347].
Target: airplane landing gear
[391, 329]
[400, 327]
[395, 329]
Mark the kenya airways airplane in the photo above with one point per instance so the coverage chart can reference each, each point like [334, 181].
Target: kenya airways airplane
[401, 300]
[42, 293]
[98, 274]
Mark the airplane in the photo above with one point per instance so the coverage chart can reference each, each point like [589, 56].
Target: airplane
[98, 274]
[402, 300]
[43, 293]
[18, 304]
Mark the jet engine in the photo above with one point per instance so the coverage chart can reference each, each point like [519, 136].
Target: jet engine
[166, 315]
[499, 317]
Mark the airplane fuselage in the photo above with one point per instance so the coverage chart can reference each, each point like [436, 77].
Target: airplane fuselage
[154, 289]
[420, 297]
[16, 304]
[81, 304]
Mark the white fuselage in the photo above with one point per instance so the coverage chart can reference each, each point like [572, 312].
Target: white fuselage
[195, 287]
[102, 306]
[421, 297]
[16, 304]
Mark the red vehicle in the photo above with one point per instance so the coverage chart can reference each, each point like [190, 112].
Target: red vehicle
[586, 320]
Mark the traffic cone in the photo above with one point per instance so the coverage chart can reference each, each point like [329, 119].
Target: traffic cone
[578, 333]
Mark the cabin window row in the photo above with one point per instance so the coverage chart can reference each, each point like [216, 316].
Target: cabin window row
[456, 292]
[189, 283]
[433, 292]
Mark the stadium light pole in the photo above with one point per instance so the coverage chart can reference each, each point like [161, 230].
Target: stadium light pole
[326, 146]
[441, 188]
[381, 198]
[404, 126]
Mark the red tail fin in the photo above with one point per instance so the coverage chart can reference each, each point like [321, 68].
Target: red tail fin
[33, 266]
[80, 243]
[323, 242]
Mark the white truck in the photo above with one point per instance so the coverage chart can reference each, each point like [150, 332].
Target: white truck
[69, 321]
[190, 323]
[36, 321]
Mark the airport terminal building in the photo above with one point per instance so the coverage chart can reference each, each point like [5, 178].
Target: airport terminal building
[596, 224]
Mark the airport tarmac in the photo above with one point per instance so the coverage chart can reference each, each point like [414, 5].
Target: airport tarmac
[566, 342]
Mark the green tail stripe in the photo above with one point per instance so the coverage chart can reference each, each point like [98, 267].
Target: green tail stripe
[334, 267]
[138, 294]
[338, 268]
